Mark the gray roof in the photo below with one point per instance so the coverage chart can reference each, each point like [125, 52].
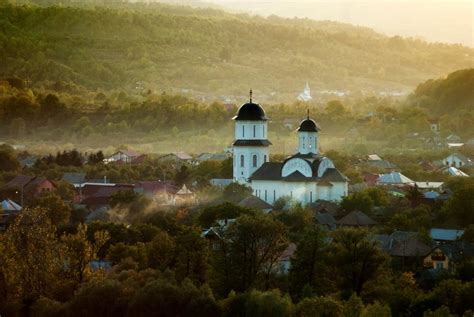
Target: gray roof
[255, 202]
[74, 178]
[272, 171]
[356, 218]
[325, 219]
[410, 248]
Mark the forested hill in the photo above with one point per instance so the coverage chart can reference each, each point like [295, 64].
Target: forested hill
[170, 47]
[445, 95]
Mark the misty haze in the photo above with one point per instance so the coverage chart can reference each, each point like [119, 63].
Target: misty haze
[236, 158]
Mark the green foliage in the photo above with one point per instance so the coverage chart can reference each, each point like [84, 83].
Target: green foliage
[319, 307]
[8, 160]
[236, 192]
[58, 211]
[208, 216]
[361, 201]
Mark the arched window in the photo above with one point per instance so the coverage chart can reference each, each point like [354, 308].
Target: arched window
[243, 131]
[242, 161]
[265, 195]
[254, 161]
[254, 131]
[263, 131]
[264, 158]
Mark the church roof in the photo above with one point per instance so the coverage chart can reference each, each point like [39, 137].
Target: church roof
[272, 171]
[308, 125]
[251, 112]
[251, 143]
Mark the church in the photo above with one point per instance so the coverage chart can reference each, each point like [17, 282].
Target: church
[306, 176]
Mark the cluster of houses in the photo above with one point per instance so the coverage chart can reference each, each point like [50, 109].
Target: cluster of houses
[429, 256]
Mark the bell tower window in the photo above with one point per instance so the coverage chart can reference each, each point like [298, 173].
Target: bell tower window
[242, 159]
[254, 131]
[254, 161]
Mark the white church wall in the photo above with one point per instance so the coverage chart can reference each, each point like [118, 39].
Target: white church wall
[251, 130]
[243, 173]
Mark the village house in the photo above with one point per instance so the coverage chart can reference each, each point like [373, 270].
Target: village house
[457, 160]
[24, 188]
[97, 196]
[126, 156]
[161, 192]
[356, 218]
[176, 158]
[449, 255]
[255, 203]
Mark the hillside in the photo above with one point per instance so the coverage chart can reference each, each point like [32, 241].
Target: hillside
[445, 95]
[174, 47]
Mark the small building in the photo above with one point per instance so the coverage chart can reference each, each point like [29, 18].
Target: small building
[434, 126]
[124, 156]
[212, 157]
[284, 261]
[97, 196]
[326, 220]
[395, 179]
[221, 182]
[158, 191]
[75, 179]
[26, 188]
[453, 138]
[444, 235]
[448, 256]
[254, 202]
[356, 218]
[457, 160]
[184, 196]
[453, 171]
[178, 158]
[429, 186]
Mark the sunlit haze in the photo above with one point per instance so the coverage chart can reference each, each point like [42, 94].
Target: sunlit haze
[432, 20]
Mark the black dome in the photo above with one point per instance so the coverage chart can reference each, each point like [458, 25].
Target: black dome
[308, 125]
[251, 112]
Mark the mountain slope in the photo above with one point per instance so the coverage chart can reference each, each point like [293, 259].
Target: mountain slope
[167, 47]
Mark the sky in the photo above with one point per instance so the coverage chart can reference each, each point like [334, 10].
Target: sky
[449, 21]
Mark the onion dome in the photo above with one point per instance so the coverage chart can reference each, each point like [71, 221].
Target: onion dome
[251, 112]
[308, 125]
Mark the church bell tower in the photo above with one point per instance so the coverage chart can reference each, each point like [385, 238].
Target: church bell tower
[250, 147]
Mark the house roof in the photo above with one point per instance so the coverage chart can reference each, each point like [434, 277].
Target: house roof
[356, 218]
[184, 191]
[10, 205]
[254, 202]
[410, 247]
[155, 187]
[326, 219]
[445, 234]
[27, 183]
[288, 253]
[457, 250]
[394, 178]
[74, 178]
[325, 206]
[429, 185]
[374, 157]
[453, 171]
[128, 153]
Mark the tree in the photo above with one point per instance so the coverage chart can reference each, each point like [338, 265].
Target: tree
[308, 264]
[208, 216]
[8, 160]
[461, 205]
[319, 307]
[123, 197]
[57, 210]
[161, 251]
[358, 201]
[252, 246]
[191, 256]
[357, 259]
[236, 192]
[32, 257]
[80, 251]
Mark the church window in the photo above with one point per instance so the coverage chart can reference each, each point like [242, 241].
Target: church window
[310, 197]
[265, 195]
[254, 131]
[291, 194]
[263, 131]
[264, 158]
[274, 195]
[254, 161]
[243, 131]
[242, 159]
